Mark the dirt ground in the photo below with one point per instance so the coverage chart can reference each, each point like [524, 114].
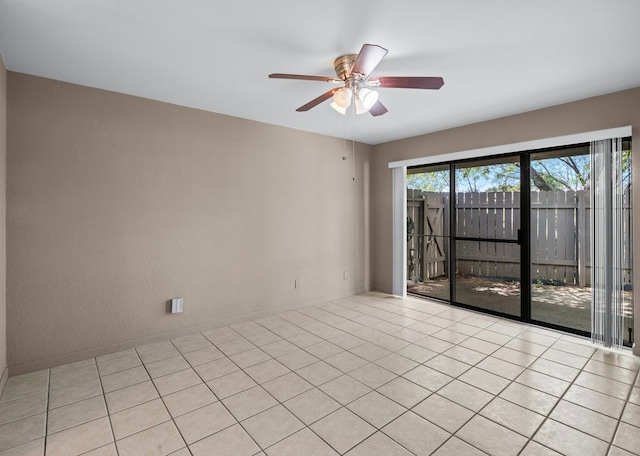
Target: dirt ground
[568, 306]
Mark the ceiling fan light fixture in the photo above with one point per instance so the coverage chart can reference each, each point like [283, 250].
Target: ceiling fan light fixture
[360, 109]
[340, 109]
[367, 97]
[354, 70]
[342, 97]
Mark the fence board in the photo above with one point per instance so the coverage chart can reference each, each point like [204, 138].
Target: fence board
[560, 234]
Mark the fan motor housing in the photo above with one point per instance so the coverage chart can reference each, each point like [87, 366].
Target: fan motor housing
[343, 65]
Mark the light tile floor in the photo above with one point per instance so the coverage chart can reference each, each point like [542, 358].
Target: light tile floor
[364, 376]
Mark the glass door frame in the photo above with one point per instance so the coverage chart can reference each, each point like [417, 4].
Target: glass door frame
[523, 240]
[398, 169]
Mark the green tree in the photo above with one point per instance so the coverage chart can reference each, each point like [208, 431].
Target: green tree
[563, 173]
[437, 181]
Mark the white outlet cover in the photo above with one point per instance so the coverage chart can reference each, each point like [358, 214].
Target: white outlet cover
[177, 305]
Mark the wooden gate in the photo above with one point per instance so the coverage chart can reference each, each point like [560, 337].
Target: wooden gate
[427, 246]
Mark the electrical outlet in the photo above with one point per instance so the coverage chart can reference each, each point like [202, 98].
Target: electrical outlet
[297, 283]
[345, 276]
[177, 305]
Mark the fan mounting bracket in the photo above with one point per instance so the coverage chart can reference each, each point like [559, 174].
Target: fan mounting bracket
[344, 64]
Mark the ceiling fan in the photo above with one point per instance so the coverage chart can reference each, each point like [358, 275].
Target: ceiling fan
[354, 72]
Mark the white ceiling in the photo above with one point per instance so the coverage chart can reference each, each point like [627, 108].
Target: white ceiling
[497, 57]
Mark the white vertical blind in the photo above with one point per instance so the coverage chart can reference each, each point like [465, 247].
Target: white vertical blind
[399, 278]
[607, 191]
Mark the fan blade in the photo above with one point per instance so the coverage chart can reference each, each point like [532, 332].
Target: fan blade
[369, 57]
[409, 82]
[378, 109]
[303, 77]
[316, 101]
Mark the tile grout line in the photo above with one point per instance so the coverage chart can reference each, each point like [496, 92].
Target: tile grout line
[475, 413]
[305, 425]
[143, 365]
[570, 384]
[626, 403]
[172, 418]
[456, 378]
[313, 387]
[496, 395]
[385, 333]
[453, 434]
[548, 415]
[106, 405]
[46, 415]
[49, 389]
[529, 439]
[219, 400]
[416, 366]
[407, 409]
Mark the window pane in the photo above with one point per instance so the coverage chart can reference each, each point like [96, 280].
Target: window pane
[560, 238]
[428, 232]
[488, 275]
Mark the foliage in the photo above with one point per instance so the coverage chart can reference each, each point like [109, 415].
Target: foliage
[571, 172]
[437, 182]
[562, 173]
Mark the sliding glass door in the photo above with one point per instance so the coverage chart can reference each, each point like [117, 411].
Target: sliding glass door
[514, 235]
[428, 231]
[560, 237]
[463, 228]
[487, 234]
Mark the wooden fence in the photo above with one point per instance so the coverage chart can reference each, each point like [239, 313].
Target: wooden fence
[560, 235]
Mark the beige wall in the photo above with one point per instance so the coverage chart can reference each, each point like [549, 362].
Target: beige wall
[117, 204]
[3, 229]
[609, 111]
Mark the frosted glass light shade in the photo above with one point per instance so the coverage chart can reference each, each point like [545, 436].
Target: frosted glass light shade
[360, 109]
[342, 97]
[368, 97]
[341, 110]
